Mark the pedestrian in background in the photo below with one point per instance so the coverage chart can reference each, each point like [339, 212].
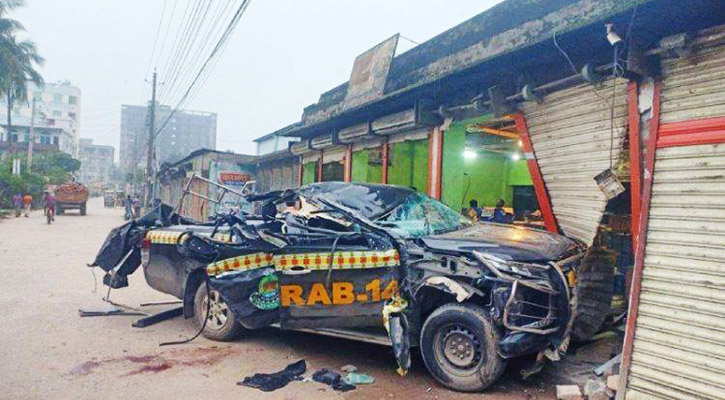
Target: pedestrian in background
[129, 208]
[18, 204]
[136, 207]
[27, 202]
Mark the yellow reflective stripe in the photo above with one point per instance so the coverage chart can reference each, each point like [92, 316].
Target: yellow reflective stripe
[163, 237]
[171, 237]
[341, 260]
[241, 263]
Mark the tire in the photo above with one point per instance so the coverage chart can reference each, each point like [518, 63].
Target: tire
[461, 331]
[222, 324]
[59, 209]
[593, 292]
[83, 209]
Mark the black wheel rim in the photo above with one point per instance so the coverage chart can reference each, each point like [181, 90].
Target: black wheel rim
[458, 348]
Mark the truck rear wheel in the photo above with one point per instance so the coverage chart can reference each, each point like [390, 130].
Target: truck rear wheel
[221, 323]
[59, 209]
[460, 348]
[83, 209]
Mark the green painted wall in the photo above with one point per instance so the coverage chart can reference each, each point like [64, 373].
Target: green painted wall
[486, 181]
[409, 164]
[420, 165]
[360, 166]
[519, 173]
[488, 177]
[454, 143]
[309, 170]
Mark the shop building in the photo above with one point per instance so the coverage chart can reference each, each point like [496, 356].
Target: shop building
[229, 169]
[532, 103]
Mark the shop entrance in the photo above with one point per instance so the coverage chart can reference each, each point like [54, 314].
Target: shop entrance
[496, 177]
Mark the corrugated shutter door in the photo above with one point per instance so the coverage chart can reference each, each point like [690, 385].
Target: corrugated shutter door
[695, 88]
[571, 133]
[679, 337]
[679, 340]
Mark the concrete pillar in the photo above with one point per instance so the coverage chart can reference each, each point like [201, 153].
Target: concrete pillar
[435, 162]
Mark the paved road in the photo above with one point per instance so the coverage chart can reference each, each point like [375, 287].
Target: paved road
[48, 351]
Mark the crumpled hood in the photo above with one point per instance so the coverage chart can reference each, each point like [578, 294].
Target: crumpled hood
[507, 242]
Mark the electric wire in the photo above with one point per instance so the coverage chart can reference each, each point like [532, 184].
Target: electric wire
[185, 50]
[153, 49]
[214, 53]
[215, 30]
[198, 47]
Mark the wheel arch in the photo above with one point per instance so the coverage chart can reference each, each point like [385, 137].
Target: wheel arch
[436, 291]
[193, 281]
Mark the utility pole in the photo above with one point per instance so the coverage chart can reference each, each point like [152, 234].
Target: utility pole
[31, 136]
[150, 174]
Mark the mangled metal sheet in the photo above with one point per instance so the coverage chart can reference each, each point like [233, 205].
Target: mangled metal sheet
[576, 134]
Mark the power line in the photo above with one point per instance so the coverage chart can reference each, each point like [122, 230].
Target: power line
[222, 12]
[153, 49]
[214, 53]
[186, 49]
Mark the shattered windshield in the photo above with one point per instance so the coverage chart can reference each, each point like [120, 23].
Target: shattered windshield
[420, 215]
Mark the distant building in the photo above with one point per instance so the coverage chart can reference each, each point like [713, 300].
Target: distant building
[56, 119]
[275, 141]
[96, 164]
[184, 133]
[229, 169]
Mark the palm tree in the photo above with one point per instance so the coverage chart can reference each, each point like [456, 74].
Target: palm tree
[18, 60]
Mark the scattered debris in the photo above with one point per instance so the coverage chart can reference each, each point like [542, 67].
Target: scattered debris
[106, 312]
[160, 303]
[568, 392]
[160, 317]
[348, 368]
[353, 378]
[613, 382]
[608, 365]
[332, 379]
[595, 389]
[270, 382]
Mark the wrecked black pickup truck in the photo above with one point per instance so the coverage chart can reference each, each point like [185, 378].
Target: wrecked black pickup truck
[355, 260]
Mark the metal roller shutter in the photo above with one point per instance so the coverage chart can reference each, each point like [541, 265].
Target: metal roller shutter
[679, 337]
[679, 346]
[695, 88]
[571, 136]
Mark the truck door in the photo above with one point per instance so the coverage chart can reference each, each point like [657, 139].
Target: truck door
[319, 289]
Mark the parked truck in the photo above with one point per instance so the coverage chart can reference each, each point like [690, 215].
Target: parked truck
[69, 196]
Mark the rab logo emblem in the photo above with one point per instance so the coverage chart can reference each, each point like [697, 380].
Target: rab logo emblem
[267, 298]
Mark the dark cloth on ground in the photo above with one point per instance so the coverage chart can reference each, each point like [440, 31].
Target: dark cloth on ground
[332, 379]
[270, 382]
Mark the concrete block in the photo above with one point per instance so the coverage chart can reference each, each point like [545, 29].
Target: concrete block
[568, 392]
[613, 382]
[595, 389]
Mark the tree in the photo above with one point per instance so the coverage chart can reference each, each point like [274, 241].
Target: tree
[18, 60]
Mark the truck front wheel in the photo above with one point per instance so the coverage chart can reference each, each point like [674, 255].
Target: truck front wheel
[459, 347]
[221, 323]
[83, 209]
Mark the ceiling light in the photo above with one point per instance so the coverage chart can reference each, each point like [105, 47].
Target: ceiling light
[469, 154]
[516, 156]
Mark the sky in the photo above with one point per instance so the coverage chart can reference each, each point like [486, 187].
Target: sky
[281, 57]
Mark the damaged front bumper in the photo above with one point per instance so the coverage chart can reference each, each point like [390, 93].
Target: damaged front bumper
[532, 302]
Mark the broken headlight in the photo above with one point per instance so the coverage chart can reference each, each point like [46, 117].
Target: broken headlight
[526, 270]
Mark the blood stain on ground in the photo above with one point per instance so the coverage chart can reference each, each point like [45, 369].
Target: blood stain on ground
[85, 368]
